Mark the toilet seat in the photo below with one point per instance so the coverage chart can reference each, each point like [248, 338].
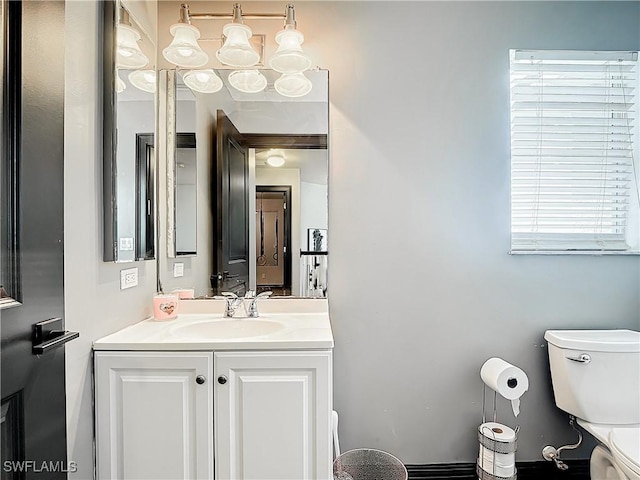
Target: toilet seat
[625, 447]
[602, 466]
[619, 451]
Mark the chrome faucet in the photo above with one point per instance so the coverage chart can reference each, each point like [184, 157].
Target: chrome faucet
[252, 298]
[232, 303]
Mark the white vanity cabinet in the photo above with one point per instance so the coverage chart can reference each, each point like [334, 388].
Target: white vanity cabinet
[273, 415]
[175, 414]
[154, 415]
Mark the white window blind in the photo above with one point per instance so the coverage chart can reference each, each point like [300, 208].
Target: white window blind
[573, 128]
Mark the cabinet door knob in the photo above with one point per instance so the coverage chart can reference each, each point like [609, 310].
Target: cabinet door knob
[222, 379]
[200, 379]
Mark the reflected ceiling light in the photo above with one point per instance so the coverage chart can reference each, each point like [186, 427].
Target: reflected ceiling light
[289, 58]
[144, 80]
[248, 81]
[236, 50]
[120, 85]
[275, 160]
[203, 81]
[184, 50]
[293, 85]
[128, 53]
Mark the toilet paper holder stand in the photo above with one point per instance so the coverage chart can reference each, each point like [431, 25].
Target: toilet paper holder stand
[495, 410]
[494, 446]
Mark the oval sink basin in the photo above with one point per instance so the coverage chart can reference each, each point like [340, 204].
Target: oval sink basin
[226, 329]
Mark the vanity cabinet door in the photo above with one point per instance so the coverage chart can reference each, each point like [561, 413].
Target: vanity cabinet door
[154, 415]
[273, 415]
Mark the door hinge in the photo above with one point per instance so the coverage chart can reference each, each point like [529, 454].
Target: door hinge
[284, 205]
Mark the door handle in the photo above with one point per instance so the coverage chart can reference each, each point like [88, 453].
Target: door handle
[49, 335]
[226, 274]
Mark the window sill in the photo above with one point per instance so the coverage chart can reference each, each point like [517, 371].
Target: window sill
[595, 253]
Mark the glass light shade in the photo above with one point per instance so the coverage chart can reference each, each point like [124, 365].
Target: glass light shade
[203, 81]
[289, 58]
[248, 81]
[275, 160]
[120, 85]
[237, 51]
[293, 85]
[184, 50]
[144, 80]
[128, 53]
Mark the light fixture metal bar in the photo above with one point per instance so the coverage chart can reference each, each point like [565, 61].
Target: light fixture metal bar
[237, 15]
[245, 16]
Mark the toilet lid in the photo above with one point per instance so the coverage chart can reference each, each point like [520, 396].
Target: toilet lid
[625, 443]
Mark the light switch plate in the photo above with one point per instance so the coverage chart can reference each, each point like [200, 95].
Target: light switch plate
[178, 270]
[128, 278]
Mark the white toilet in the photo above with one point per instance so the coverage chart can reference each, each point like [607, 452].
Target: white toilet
[596, 378]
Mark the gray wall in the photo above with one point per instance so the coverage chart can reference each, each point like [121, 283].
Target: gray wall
[422, 289]
[94, 304]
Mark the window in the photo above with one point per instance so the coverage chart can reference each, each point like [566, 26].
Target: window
[574, 172]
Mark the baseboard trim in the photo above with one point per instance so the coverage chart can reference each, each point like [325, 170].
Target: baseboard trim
[578, 470]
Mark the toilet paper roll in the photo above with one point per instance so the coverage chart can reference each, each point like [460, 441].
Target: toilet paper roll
[498, 471]
[498, 432]
[496, 463]
[488, 457]
[507, 380]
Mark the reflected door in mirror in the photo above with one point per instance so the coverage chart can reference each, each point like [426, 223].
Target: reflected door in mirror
[232, 202]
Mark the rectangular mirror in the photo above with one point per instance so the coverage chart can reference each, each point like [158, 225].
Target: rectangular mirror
[253, 214]
[129, 91]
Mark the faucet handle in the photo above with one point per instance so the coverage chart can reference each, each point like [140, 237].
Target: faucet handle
[252, 311]
[233, 302]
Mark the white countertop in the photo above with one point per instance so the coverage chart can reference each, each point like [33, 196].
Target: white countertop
[305, 325]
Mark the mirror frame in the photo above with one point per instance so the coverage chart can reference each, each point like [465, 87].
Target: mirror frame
[10, 128]
[109, 164]
[145, 228]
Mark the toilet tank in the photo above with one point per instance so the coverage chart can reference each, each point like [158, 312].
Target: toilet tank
[596, 374]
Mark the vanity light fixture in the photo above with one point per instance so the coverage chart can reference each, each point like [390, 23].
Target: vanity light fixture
[203, 81]
[144, 80]
[184, 50]
[289, 58]
[128, 53]
[236, 51]
[275, 159]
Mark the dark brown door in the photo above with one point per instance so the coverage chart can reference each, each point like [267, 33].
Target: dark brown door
[33, 384]
[231, 224]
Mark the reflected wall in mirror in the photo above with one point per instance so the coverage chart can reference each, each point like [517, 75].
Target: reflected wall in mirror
[182, 175]
[129, 90]
[293, 196]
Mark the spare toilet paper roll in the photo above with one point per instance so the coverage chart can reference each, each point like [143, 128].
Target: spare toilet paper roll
[499, 464]
[506, 379]
[488, 457]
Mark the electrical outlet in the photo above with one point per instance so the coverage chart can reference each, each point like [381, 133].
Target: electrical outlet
[178, 270]
[126, 244]
[128, 278]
